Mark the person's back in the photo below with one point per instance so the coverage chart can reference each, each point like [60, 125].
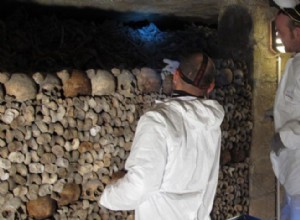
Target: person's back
[191, 128]
[173, 165]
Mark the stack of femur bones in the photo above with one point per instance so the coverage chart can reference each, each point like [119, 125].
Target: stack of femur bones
[63, 135]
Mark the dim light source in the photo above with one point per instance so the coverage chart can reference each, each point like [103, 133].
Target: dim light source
[276, 43]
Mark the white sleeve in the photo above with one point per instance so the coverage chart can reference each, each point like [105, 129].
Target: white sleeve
[145, 166]
[290, 134]
[209, 195]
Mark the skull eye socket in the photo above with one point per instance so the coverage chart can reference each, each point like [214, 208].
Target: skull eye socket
[100, 188]
[97, 193]
[88, 193]
[6, 214]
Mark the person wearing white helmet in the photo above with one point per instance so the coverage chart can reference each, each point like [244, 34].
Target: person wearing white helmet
[172, 169]
[285, 154]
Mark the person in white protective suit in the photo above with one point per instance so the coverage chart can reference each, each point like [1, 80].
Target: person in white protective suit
[172, 169]
[285, 154]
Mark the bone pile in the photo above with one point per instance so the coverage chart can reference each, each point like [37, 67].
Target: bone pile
[63, 135]
[235, 94]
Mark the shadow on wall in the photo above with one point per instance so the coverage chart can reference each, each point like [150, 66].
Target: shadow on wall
[235, 34]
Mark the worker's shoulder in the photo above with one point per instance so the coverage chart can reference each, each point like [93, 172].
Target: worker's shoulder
[162, 112]
[159, 109]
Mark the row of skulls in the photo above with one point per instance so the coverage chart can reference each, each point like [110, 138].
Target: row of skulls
[75, 83]
[100, 82]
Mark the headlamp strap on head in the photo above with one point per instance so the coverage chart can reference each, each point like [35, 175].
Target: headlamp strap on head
[199, 75]
[289, 12]
[184, 78]
[201, 70]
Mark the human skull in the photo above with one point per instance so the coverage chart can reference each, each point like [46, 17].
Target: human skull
[224, 77]
[148, 80]
[92, 190]
[126, 83]
[238, 77]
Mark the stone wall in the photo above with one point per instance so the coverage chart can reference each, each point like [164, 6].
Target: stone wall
[65, 135]
[70, 102]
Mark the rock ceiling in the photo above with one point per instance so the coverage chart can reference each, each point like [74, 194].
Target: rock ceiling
[202, 10]
[32, 34]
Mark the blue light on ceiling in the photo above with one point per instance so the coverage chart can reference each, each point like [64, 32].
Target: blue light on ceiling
[148, 34]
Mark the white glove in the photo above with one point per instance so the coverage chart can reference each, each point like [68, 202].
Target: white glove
[170, 68]
[286, 3]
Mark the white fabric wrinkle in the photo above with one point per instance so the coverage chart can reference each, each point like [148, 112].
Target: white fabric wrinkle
[206, 113]
[290, 134]
[286, 166]
[169, 156]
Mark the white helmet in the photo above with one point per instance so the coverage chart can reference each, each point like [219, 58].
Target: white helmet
[287, 3]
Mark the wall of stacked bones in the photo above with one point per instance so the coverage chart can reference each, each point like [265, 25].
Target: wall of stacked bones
[63, 135]
[64, 132]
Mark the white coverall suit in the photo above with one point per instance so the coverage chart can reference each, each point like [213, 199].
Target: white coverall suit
[286, 166]
[174, 162]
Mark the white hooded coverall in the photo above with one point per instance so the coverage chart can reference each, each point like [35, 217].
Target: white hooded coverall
[286, 166]
[172, 170]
